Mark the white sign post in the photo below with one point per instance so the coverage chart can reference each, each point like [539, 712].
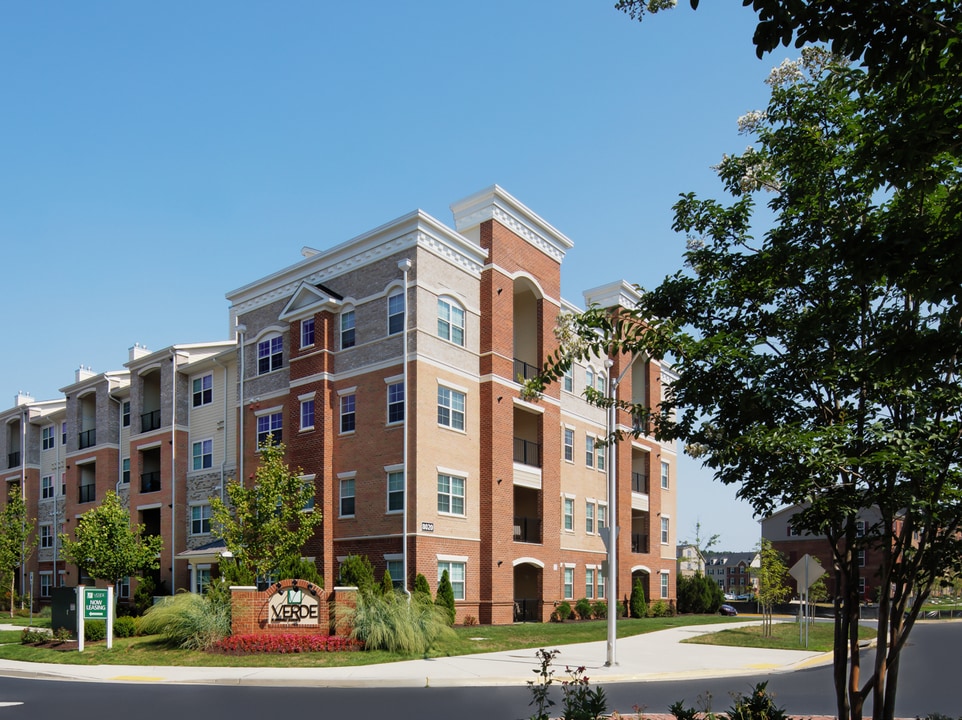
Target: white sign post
[806, 571]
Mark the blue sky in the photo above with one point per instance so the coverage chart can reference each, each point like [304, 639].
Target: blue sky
[154, 156]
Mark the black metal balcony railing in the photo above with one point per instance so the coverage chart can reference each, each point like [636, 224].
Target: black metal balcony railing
[87, 438]
[524, 371]
[150, 421]
[527, 452]
[639, 543]
[527, 530]
[88, 493]
[150, 481]
[639, 483]
[13, 459]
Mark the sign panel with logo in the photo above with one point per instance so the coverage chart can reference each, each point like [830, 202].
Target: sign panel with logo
[294, 605]
[96, 604]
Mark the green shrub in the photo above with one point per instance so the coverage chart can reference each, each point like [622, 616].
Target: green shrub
[62, 634]
[387, 584]
[637, 604]
[32, 636]
[357, 571]
[599, 609]
[583, 608]
[661, 609]
[144, 595]
[758, 705]
[410, 628]
[95, 630]
[563, 609]
[445, 598]
[186, 620]
[298, 568]
[125, 627]
[421, 586]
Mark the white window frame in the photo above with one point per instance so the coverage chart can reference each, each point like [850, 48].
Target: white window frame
[664, 586]
[202, 578]
[601, 583]
[197, 523]
[46, 487]
[307, 401]
[590, 582]
[274, 418]
[590, 517]
[48, 437]
[204, 395]
[46, 583]
[448, 496]
[395, 318]
[449, 414]
[394, 475]
[568, 582]
[46, 536]
[347, 329]
[600, 457]
[568, 513]
[665, 475]
[569, 379]
[345, 399]
[345, 481]
[589, 377]
[206, 455]
[602, 516]
[125, 471]
[267, 350]
[396, 402]
[568, 442]
[665, 529]
[448, 325]
[589, 451]
[307, 332]
[459, 579]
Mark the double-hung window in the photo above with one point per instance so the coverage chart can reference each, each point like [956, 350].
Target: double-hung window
[450, 321]
[664, 530]
[270, 426]
[589, 517]
[307, 414]
[569, 379]
[589, 377]
[348, 409]
[270, 355]
[200, 519]
[203, 390]
[601, 584]
[568, 514]
[46, 536]
[589, 451]
[395, 313]
[125, 469]
[203, 454]
[395, 402]
[569, 444]
[664, 475]
[347, 497]
[395, 491]
[450, 494]
[569, 583]
[48, 437]
[125, 417]
[664, 586]
[347, 329]
[590, 583]
[455, 575]
[600, 452]
[307, 332]
[46, 487]
[450, 408]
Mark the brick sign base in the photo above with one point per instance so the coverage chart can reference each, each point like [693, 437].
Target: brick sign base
[251, 611]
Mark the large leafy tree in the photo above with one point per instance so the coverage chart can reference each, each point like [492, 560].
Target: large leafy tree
[17, 538]
[811, 372]
[266, 524]
[107, 547]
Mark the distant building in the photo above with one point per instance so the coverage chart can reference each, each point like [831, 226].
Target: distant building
[733, 571]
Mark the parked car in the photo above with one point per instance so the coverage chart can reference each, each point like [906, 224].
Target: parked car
[728, 610]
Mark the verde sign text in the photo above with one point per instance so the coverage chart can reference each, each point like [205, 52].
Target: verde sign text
[294, 605]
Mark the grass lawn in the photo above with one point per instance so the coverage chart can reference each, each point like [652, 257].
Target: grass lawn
[785, 636]
[151, 650]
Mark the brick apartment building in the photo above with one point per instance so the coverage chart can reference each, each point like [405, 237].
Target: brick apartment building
[795, 544]
[390, 366]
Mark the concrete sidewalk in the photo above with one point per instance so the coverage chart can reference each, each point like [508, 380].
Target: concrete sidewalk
[653, 656]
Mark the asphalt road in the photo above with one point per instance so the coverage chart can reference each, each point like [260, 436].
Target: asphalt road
[930, 683]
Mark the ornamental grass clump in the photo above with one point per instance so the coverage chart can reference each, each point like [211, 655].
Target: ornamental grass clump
[187, 621]
[395, 624]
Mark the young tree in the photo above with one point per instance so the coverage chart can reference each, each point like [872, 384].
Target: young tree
[809, 374]
[357, 571]
[267, 523]
[637, 603]
[445, 597]
[772, 583]
[17, 539]
[107, 547]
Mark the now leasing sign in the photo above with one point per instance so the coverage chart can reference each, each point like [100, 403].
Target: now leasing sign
[294, 605]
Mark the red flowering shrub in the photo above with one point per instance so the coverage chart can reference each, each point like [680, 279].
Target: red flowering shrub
[249, 644]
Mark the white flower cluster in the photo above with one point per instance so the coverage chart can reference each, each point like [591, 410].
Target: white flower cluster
[567, 335]
[750, 121]
[788, 72]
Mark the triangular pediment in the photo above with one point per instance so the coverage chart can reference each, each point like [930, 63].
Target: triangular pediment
[308, 299]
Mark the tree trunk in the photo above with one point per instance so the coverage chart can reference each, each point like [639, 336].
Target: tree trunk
[856, 701]
[839, 649]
